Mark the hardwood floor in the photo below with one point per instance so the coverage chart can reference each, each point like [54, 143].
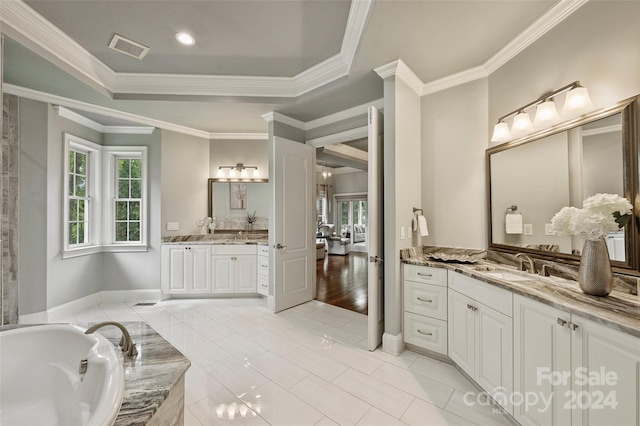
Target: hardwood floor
[342, 281]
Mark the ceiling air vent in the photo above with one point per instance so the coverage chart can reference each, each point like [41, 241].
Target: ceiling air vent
[128, 47]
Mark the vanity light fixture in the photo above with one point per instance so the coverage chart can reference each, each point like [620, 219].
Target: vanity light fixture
[576, 99]
[238, 173]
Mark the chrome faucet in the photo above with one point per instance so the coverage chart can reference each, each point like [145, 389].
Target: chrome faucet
[521, 265]
[128, 345]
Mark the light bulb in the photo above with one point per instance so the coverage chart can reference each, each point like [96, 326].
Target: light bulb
[186, 39]
[501, 132]
[521, 122]
[546, 112]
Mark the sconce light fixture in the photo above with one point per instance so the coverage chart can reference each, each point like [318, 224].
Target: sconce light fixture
[238, 173]
[577, 99]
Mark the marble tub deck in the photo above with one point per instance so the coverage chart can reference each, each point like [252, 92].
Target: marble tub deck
[619, 310]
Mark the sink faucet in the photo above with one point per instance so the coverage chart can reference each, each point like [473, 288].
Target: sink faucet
[239, 236]
[521, 265]
[128, 345]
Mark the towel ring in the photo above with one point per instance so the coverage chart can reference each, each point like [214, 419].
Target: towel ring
[512, 209]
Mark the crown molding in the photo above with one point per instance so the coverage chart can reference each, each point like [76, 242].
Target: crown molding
[335, 138]
[344, 115]
[109, 112]
[239, 136]
[53, 44]
[281, 118]
[454, 80]
[87, 122]
[399, 69]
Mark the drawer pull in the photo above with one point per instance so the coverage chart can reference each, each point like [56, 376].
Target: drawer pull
[473, 308]
[573, 326]
[426, 333]
[425, 275]
[561, 322]
[424, 300]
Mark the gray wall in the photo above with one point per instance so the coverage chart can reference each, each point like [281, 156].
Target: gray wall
[247, 152]
[185, 170]
[139, 270]
[349, 183]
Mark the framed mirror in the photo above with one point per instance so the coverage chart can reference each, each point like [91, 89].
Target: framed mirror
[230, 202]
[536, 176]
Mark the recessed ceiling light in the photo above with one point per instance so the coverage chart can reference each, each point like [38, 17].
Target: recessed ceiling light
[186, 39]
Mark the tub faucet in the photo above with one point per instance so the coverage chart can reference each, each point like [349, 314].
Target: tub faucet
[128, 345]
[521, 265]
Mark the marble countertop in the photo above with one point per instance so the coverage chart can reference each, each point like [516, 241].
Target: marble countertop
[618, 310]
[224, 239]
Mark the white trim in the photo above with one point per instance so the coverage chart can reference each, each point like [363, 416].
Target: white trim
[239, 136]
[393, 345]
[87, 122]
[454, 80]
[53, 44]
[281, 118]
[347, 152]
[82, 251]
[602, 130]
[400, 70]
[343, 170]
[74, 307]
[344, 115]
[336, 138]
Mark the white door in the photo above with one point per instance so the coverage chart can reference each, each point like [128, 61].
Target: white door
[293, 223]
[376, 231]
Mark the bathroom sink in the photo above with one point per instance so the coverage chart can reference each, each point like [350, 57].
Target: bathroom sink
[231, 242]
[502, 274]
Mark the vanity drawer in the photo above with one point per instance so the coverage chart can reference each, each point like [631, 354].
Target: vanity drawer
[425, 274]
[263, 250]
[494, 297]
[425, 299]
[425, 332]
[233, 249]
[263, 285]
[263, 266]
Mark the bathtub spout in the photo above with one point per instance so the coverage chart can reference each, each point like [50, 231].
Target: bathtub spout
[128, 345]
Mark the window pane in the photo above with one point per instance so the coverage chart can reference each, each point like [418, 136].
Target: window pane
[73, 210]
[134, 231]
[81, 236]
[123, 188]
[72, 184]
[81, 186]
[73, 233]
[123, 168]
[136, 168]
[81, 164]
[81, 204]
[72, 157]
[121, 210]
[134, 210]
[121, 231]
[136, 189]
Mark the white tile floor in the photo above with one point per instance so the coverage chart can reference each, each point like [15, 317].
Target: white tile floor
[305, 366]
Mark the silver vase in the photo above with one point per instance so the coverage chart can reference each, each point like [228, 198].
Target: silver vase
[595, 276]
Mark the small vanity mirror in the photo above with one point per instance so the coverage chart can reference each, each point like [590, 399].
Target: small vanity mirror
[532, 178]
[231, 202]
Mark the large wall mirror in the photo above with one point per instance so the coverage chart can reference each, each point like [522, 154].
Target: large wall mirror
[236, 199]
[538, 175]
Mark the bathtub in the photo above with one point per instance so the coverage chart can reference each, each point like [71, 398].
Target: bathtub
[40, 381]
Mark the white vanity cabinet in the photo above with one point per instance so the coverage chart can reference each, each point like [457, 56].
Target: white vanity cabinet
[583, 373]
[480, 333]
[263, 269]
[425, 307]
[233, 269]
[185, 268]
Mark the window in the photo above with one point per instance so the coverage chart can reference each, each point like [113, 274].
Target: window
[105, 202]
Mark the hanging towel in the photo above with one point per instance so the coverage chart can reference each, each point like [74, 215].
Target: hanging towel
[422, 225]
[513, 223]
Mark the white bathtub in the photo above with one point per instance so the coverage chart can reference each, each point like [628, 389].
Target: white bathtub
[40, 382]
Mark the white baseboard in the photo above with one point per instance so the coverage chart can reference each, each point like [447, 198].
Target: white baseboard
[393, 345]
[69, 309]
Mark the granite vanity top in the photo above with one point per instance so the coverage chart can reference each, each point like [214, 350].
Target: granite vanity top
[618, 310]
[251, 237]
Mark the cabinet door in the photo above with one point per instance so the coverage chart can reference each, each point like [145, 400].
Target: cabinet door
[174, 269]
[494, 354]
[610, 360]
[245, 274]
[200, 261]
[221, 274]
[542, 349]
[461, 331]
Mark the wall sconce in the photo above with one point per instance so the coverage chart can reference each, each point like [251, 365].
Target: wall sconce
[238, 173]
[577, 99]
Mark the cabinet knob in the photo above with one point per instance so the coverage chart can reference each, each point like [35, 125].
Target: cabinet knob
[426, 333]
[424, 300]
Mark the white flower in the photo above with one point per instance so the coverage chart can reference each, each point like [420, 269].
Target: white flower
[600, 215]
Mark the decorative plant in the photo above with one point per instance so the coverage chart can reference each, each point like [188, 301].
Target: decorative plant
[600, 214]
[251, 217]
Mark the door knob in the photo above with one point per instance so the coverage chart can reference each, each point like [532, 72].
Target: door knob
[375, 259]
[280, 246]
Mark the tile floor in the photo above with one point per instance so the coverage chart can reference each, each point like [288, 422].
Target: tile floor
[305, 366]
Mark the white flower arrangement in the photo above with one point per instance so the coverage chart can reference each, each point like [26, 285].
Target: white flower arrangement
[600, 214]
